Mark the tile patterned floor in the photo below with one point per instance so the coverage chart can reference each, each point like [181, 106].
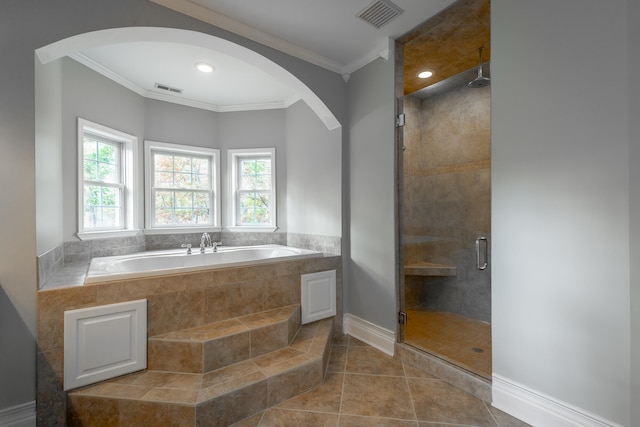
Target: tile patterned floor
[462, 341]
[365, 387]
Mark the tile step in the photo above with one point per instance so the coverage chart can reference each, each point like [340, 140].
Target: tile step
[215, 345]
[217, 398]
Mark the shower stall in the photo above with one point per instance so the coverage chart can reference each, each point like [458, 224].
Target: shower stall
[445, 220]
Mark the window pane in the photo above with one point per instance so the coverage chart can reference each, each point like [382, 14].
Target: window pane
[102, 207]
[200, 166]
[90, 170]
[182, 164]
[182, 180]
[164, 217]
[163, 179]
[162, 162]
[254, 208]
[184, 199]
[108, 173]
[164, 199]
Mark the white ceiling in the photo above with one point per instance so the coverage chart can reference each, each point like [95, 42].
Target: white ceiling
[324, 32]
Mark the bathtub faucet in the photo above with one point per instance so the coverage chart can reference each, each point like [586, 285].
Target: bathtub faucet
[205, 242]
[215, 246]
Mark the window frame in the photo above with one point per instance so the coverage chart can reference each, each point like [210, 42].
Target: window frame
[128, 159]
[213, 154]
[233, 158]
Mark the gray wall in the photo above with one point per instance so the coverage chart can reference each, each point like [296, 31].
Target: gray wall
[24, 27]
[257, 129]
[91, 96]
[634, 178]
[560, 202]
[49, 217]
[371, 292]
[313, 156]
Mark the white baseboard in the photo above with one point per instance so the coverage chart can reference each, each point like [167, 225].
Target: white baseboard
[380, 338]
[538, 409]
[23, 415]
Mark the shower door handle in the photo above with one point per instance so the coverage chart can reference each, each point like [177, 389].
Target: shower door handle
[482, 261]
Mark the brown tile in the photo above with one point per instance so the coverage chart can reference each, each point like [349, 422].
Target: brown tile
[341, 340]
[181, 381]
[175, 311]
[225, 351]
[324, 398]
[269, 338]
[84, 411]
[111, 390]
[437, 401]
[277, 417]
[172, 395]
[338, 359]
[293, 381]
[368, 360]
[221, 389]
[413, 372]
[358, 421]
[230, 373]
[276, 357]
[175, 356]
[233, 407]
[377, 396]
[253, 421]
[355, 342]
[137, 413]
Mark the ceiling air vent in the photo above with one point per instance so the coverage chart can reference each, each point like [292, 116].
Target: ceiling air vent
[379, 13]
[167, 88]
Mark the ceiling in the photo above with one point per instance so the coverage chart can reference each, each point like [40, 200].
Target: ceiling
[327, 33]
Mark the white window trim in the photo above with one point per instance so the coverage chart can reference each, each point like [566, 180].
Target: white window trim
[232, 159]
[129, 159]
[215, 173]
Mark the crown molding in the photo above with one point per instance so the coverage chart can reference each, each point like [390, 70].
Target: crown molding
[99, 68]
[219, 20]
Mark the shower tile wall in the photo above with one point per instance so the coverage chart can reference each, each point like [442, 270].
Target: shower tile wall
[446, 198]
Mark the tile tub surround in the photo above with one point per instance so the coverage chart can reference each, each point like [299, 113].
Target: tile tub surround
[67, 261]
[175, 302]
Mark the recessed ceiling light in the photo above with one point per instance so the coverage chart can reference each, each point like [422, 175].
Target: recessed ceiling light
[425, 74]
[204, 67]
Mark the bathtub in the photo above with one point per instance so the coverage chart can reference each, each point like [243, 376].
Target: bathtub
[157, 263]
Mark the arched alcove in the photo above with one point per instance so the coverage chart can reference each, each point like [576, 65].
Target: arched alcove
[62, 48]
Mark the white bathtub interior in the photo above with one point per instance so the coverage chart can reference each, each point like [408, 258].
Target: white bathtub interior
[155, 263]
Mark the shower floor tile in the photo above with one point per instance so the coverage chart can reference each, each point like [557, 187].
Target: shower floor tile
[457, 339]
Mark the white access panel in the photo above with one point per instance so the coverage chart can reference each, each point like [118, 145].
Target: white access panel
[104, 342]
[318, 296]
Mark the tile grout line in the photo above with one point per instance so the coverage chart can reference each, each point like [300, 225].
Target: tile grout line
[344, 378]
[411, 400]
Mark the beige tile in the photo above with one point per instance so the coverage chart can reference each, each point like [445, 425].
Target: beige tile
[84, 411]
[175, 311]
[277, 417]
[338, 359]
[377, 396]
[276, 357]
[253, 421]
[437, 401]
[341, 340]
[269, 338]
[226, 351]
[324, 398]
[175, 356]
[172, 395]
[368, 360]
[358, 421]
[233, 407]
[137, 413]
[293, 381]
[230, 373]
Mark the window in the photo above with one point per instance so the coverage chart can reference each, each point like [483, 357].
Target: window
[253, 186]
[182, 186]
[105, 180]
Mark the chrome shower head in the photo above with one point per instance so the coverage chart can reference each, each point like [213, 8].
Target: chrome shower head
[479, 81]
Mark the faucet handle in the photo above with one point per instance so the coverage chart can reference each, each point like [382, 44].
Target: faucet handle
[188, 246]
[215, 246]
